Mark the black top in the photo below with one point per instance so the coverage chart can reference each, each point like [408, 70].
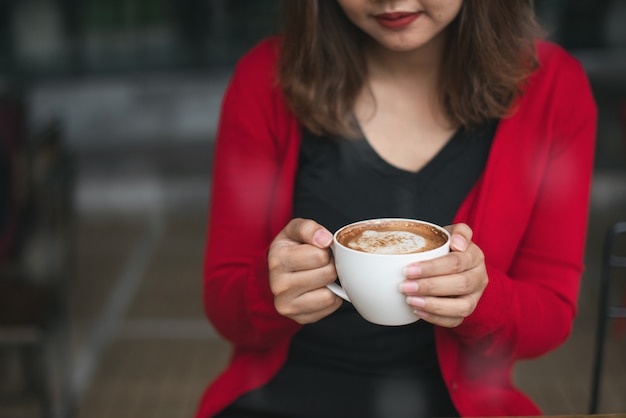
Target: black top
[343, 365]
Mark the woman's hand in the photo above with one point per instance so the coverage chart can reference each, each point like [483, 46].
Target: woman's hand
[300, 267]
[446, 290]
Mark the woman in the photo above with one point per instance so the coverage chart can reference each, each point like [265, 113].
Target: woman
[451, 111]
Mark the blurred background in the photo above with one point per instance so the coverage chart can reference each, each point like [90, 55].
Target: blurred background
[108, 110]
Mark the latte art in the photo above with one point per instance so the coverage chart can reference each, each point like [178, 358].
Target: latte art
[392, 236]
[388, 242]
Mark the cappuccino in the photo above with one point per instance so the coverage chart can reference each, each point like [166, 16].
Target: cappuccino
[370, 257]
[392, 237]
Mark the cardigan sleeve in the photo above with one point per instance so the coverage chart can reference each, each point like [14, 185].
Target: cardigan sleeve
[246, 170]
[528, 306]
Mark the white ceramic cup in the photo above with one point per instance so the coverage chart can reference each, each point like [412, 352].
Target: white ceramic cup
[371, 281]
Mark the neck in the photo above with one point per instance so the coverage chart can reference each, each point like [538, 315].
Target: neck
[413, 76]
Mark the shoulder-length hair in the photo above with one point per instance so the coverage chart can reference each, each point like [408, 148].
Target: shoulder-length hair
[490, 53]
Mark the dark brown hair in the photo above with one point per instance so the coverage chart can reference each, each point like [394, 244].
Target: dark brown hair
[490, 54]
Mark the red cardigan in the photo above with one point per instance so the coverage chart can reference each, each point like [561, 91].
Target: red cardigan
[528, 212]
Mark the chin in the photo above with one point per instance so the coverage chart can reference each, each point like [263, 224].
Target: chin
[401, 47]
[401, 44]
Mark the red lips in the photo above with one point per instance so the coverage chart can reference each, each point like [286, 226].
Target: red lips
[397, 20]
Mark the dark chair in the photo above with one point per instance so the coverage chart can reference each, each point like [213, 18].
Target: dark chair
[610, 262]
[35, 272]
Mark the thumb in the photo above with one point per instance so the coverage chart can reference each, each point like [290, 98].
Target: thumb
[322, 238]
[309, 232]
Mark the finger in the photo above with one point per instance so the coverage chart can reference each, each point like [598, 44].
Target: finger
[449, 285]
[453, 262]
[309, 232]
[292, 285]
[442, 321]
[298, 257]
[459, 307]
[314, 305]
[460, 236]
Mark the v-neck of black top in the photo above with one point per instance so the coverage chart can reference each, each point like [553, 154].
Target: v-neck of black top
[340, 181]
[371, 156]
[364, 150]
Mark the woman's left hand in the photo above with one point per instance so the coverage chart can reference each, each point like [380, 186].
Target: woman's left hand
[446, 290]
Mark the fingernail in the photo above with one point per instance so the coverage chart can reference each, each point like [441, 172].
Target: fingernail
[409, 286]
[459, 242]
[412, 270]
[323, 238]
[421, 314]
[416, 301]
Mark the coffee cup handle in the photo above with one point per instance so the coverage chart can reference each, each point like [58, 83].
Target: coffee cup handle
[338, 290]
[334, 287]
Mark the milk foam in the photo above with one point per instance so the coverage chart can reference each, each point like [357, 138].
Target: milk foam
[388, 242]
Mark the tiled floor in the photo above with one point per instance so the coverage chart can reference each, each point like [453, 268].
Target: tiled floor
[163, 353]
[152, 377]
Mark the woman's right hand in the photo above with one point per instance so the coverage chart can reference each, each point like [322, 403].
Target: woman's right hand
[300, 266]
